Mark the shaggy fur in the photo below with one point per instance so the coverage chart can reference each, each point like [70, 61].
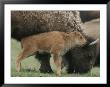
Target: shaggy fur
[44, 42]
[26, 23]
[82, 59]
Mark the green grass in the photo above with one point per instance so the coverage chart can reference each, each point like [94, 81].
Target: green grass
[30, 66]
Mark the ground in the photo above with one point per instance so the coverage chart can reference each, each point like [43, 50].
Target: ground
[30, 66]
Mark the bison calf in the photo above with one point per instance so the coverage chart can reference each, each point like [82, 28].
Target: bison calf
[56, 43]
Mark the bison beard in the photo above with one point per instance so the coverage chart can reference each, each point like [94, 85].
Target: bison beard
[26, 23]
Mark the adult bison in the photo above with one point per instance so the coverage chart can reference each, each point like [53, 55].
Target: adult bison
[26, 23]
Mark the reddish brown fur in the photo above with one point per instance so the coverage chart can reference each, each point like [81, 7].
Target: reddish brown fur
[55, 42]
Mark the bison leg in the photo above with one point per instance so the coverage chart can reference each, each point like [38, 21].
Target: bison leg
[58, 62]
[44, 59]
[26, 53]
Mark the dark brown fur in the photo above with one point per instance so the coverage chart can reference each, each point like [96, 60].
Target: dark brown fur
[26, 23]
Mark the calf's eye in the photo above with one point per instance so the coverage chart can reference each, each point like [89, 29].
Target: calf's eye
[81, 37]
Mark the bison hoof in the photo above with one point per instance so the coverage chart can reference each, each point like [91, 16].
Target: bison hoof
[45, 70]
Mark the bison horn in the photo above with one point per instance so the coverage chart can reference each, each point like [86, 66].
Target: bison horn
[94, 42]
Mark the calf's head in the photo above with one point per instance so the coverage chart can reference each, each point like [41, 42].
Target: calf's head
[79, 38]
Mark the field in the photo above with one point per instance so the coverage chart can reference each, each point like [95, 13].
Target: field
[30, 66]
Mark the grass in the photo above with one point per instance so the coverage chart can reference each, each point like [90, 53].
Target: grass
[30, 66]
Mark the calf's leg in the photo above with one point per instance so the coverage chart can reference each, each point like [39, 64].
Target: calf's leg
[21, 57]
[57, 61]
